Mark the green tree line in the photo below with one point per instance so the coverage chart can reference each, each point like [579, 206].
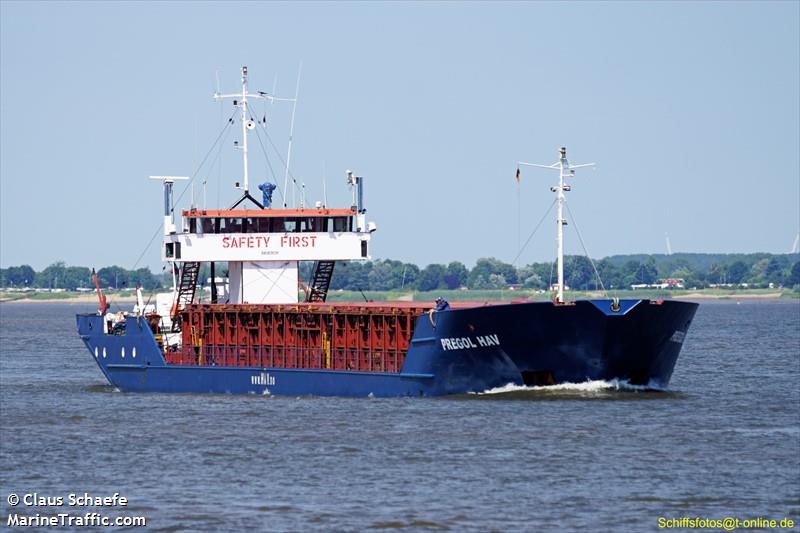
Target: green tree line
[580, 273]
[60, 276]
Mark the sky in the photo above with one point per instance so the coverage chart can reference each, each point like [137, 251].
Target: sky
[690, 110]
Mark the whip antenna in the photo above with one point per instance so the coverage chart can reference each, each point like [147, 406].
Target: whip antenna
[291, 135]
[324, 185]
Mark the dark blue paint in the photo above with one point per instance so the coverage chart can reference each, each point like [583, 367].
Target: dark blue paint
[583, 341]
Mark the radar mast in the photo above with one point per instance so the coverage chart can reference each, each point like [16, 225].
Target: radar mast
[240, 101]
[566, 169]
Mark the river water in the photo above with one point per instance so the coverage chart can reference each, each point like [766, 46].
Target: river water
[724, 441]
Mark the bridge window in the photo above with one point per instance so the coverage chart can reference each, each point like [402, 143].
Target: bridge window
[229, 225]
[261, 225]
[249, 225]
[233, 225]
[312, 224]
[172, 250]
[270, 224]
[341, 224]
[290, 225]
[208, 225]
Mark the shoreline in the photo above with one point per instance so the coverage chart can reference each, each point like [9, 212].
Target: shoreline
[767, 296]
[70, 300]
[771, 296]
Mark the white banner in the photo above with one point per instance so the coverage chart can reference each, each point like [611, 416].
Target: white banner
[267, 246]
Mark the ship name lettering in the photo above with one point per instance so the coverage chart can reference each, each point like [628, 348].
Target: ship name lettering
[462, 343]
[489, 340]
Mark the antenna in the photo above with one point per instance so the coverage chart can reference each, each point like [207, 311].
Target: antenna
[324, 185]
[272, 102]
[219, 151]
[240, 101]
[302, 196]
[351, 181]
[291, 135]
[566, 170]
[669, 246]
[796, 245]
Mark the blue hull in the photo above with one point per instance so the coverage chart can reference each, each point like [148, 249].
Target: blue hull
[457, 351]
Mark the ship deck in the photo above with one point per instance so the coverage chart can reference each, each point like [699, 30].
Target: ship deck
[351, 336]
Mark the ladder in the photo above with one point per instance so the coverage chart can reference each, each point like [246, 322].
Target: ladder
[321, 280]
[186, 290]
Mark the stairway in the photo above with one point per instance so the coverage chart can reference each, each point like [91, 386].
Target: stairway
[321, 280]
[186, 290]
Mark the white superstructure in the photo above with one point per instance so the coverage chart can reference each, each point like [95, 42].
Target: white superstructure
[260, 248]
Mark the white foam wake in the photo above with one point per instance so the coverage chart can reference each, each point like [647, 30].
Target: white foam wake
[586, 386]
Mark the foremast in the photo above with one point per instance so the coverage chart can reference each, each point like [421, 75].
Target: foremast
[566, 169]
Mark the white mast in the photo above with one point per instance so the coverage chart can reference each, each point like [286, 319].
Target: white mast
[247, 124]
[566, 169]
[291, 135]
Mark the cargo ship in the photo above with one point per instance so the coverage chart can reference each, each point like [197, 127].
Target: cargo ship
[263, 331]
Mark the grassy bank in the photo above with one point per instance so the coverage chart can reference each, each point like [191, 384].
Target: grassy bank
[67, 296]
[495, 295]
[450, 295]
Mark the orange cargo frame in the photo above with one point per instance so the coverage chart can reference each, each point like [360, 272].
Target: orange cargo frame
[368, 337]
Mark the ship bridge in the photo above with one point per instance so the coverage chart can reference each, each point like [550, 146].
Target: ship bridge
[269, 234]
[262, 249]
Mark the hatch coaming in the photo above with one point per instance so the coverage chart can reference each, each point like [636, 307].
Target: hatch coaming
[369, 337]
